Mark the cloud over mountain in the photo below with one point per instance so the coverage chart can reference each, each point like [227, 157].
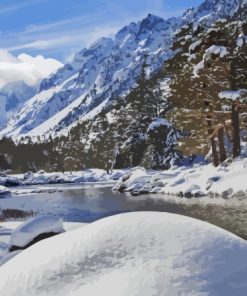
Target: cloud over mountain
[26, 68]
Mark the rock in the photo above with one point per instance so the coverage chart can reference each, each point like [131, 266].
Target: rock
[12, 181]
[4, 192]
[28, 175]
[34, 230]
[227, 193]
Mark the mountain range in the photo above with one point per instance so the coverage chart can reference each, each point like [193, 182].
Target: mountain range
[152, 62]
[108, 68]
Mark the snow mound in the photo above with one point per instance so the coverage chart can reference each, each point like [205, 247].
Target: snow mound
[6, 229]
[4, 191]
[27, 232]
[144, 253]
[133, 179]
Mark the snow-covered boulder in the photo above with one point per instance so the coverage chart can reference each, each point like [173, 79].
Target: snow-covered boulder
[4, 192]
[34, 230]
[28, 175]
[144, 253]
[132, 180]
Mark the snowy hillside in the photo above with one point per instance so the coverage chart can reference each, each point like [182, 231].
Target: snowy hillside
[141, 253]
[19, 78]
[212, 10]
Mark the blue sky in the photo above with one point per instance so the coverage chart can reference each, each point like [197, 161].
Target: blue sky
[58, 28]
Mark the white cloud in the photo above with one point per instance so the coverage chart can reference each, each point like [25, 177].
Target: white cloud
[26, 68]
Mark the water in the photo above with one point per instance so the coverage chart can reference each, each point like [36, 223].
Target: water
[90, 203]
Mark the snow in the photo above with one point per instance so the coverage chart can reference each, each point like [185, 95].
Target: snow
[211, 11]
[129, 180]
[78, 177]
[144, 253]
[26, 232]
[233, 95]
[217, 50]
[227, 180]
[194, 45]
[7, 228]
[157, 123]
[241, 40]
[4, 191]
[220, 51]
[3, 115]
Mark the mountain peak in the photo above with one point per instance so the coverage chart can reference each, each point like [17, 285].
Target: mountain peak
[152, 19]
[148, 23]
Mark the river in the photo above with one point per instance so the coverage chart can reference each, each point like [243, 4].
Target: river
[78, 203]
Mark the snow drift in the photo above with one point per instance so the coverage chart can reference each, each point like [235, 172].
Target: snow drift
[145, 253]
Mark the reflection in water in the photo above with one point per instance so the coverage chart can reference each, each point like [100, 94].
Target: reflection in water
[91, 203]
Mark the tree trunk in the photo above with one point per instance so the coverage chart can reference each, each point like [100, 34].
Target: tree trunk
[222, 145]
[236, 131]
[214, 152]
[213, 144]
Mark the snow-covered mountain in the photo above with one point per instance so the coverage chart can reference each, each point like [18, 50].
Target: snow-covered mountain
[19, 79]
[212, 10]
[107, 69]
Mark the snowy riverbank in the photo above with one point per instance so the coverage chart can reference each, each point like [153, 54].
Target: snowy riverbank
[227, 180]
[44, 178]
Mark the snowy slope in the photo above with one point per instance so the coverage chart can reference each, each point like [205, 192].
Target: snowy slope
[145, 253]
[212, 10]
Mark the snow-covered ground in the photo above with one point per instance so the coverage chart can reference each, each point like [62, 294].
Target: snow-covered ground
[227, 180]
[145, 253]
[86, 176]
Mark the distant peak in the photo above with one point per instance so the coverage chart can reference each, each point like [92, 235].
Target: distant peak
[150, 21]
[151, 17]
